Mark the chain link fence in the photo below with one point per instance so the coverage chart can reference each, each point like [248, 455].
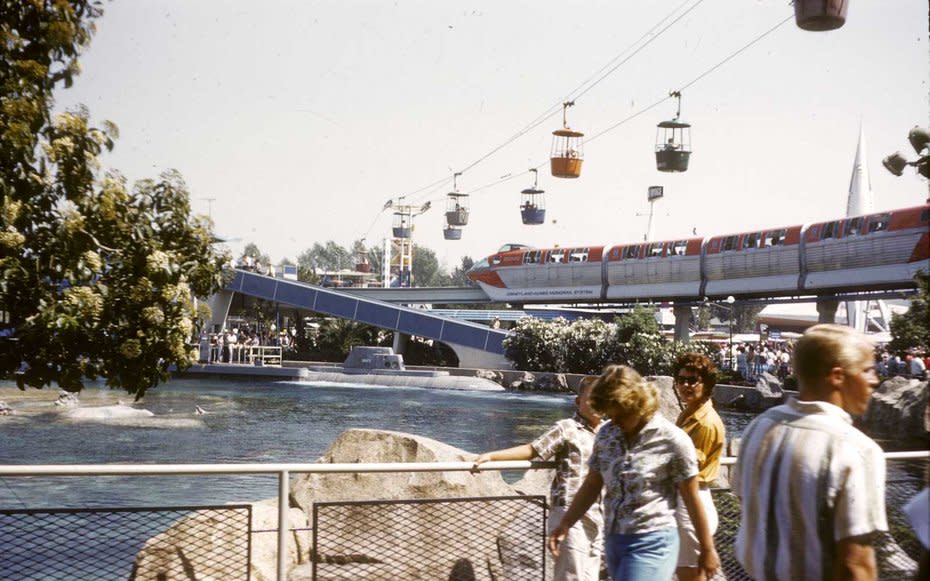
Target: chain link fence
[102, 544]
[450, 539]
[897, 550]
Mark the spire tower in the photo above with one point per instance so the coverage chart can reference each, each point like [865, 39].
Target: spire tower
[860, 200]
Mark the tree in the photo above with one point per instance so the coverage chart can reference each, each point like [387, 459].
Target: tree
[95, 280]
[426, 269]
[329, 257]
[459, 275]
[911, 331]
[252, 249]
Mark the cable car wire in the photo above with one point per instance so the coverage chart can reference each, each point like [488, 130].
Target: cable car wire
[555, 108]
[592, 81]
[657, 103]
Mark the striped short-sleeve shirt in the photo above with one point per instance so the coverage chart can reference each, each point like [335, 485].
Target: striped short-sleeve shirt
[569, 443]
[807, 479]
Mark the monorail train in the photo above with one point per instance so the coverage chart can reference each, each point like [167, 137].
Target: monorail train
[879, 251]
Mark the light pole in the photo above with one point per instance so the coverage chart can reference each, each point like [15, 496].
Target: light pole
[729, 308]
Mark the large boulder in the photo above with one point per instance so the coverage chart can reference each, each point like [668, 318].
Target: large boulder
[669, 404]
[900, 409]
[380, 446]
[769, 386]
[488, 540]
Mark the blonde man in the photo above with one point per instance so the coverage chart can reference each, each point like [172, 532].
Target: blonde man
[812, 485]
[644, 462]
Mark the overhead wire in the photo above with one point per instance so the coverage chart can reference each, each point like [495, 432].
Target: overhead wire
[660, 101]
[585, 87]
[592, 81]
[580, 90]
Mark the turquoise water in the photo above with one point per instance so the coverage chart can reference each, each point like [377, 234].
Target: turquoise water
[245, 422]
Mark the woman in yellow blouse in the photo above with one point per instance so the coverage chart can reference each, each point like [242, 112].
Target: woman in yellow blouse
[695, 376]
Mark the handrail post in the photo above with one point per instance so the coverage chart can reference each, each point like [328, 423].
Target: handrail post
[283, 504]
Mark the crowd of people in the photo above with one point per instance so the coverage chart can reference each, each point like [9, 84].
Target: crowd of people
[232, 345]
[751, 360]
[632, 489]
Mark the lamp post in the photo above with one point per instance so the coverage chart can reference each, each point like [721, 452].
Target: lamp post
[729, 308]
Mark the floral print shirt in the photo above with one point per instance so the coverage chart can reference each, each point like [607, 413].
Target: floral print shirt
[569, 443]
[641, 480]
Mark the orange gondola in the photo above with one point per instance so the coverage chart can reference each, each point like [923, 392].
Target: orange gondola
[567, 152]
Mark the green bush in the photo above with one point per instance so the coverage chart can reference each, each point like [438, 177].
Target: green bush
[587, 345]
[537, 345]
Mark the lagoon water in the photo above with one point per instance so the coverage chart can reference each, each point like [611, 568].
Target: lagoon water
[246, 421]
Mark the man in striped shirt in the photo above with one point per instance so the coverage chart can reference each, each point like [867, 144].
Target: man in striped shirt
[812, 486]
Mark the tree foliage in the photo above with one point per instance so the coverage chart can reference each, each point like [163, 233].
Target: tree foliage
[320, 258]
[96, 278]
[911, 330]
[587, 345]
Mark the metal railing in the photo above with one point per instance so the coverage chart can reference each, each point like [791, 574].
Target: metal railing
[729, 519]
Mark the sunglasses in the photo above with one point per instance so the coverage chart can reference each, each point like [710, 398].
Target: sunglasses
[687, 380]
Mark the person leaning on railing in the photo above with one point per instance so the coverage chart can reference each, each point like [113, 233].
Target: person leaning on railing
[643, 462]
[569, 443]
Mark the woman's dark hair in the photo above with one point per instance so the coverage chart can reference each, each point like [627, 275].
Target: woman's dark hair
[700, 364]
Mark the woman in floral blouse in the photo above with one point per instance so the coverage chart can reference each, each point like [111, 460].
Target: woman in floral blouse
[643, 462]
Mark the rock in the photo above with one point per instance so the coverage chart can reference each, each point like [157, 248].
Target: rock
[769, 385]
[489, 540]
[378, 446]
[196, 548]
[523, 381]
[669, 405]
[899, 410]
[490, 375]
[67, 399]
[552, 382]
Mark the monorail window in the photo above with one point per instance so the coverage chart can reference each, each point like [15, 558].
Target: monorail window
[531, 257]
[729, 243]
[654, 250]
[752, 240]
[496, 259]
[631, 252]
[879, 223]
[829, 230]
[578, 255]
[678, 248]
[854, 227]
[775, 237]
[556, 256]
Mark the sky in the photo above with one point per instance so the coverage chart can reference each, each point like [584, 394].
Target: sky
[295, 121]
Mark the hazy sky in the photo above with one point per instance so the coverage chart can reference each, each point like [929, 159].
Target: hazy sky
[302, 118]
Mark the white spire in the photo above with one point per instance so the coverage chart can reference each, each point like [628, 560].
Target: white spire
[860, 186]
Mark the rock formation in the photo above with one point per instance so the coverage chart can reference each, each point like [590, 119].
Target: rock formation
[484, 541]
[900, 409]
